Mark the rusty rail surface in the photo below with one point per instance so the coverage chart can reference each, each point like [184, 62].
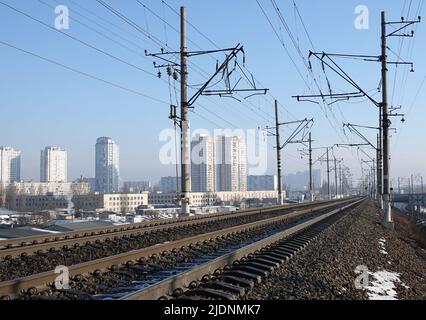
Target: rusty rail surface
[43, 280]
[40, 243]
[165, 288]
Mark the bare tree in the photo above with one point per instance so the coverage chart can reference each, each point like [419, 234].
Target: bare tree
[11, 196]
[125, 189]
[40, 190]
[79, 187]
[2, 194]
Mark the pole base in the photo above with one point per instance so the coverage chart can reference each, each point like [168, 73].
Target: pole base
[388, 225]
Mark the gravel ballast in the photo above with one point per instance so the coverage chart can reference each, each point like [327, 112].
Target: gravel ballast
[355, 258]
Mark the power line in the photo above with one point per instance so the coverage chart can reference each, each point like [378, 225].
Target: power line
[122, 60]
[137, 27]
[94, 14]
[292, 60]
[115, 34]
[83, 73]
[297, 47]
[93, 47]
[215, 45]
[77, 40]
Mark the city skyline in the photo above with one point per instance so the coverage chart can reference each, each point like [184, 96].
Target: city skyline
[187, 150]
[139, 134]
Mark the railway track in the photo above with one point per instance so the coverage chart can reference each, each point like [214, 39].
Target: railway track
[230, 276]
[115, 276]
[21, 262]
[34, 244]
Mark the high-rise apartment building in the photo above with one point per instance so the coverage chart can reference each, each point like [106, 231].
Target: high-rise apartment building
[231, 163]
[107, 165]
[10, 165]
[53, 165]
[203, 170]
[218, 163]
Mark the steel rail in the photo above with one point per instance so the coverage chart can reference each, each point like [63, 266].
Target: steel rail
[43, 280]
[34, 244]
[183, 281]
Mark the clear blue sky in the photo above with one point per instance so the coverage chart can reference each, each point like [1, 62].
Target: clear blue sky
[43, 104]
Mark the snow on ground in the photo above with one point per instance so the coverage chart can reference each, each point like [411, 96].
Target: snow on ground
[384, 285]
[382, 242]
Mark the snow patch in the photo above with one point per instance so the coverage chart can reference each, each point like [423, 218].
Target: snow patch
[382, 248]
[384, 285]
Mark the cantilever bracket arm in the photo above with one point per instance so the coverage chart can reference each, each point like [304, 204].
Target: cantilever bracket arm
[219, 69]
[406, 24]
[353, 129]
[303, 124]
[331, 64]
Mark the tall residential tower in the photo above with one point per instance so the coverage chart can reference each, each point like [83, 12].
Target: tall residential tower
[231, 163]
[10, 165]
[218, 163]
[107, 165]
[203, 170]
[53, 165]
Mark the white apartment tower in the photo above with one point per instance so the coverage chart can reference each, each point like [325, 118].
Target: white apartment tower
[53, 165]
[203, 170]
[218, 163]
[107, 172]
[231, 163]
[10, 165]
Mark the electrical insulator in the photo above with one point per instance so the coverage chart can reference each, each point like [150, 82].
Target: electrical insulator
[159, 74]
[169, 71]
[175, 75]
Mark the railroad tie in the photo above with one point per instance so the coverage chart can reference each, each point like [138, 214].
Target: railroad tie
[244, 274]
[278, 255]
[212, 293]
[259, 265]
[274, 263]
[241, 282]
[285, 251]
[253, 270]
[291, 246]
[234, 289]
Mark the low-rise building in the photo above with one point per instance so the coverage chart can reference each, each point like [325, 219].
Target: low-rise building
[114, 202]
[170, 184]
[202, 199]
[55, 188]
[30, 203]
[137, 186]
[264, 182]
